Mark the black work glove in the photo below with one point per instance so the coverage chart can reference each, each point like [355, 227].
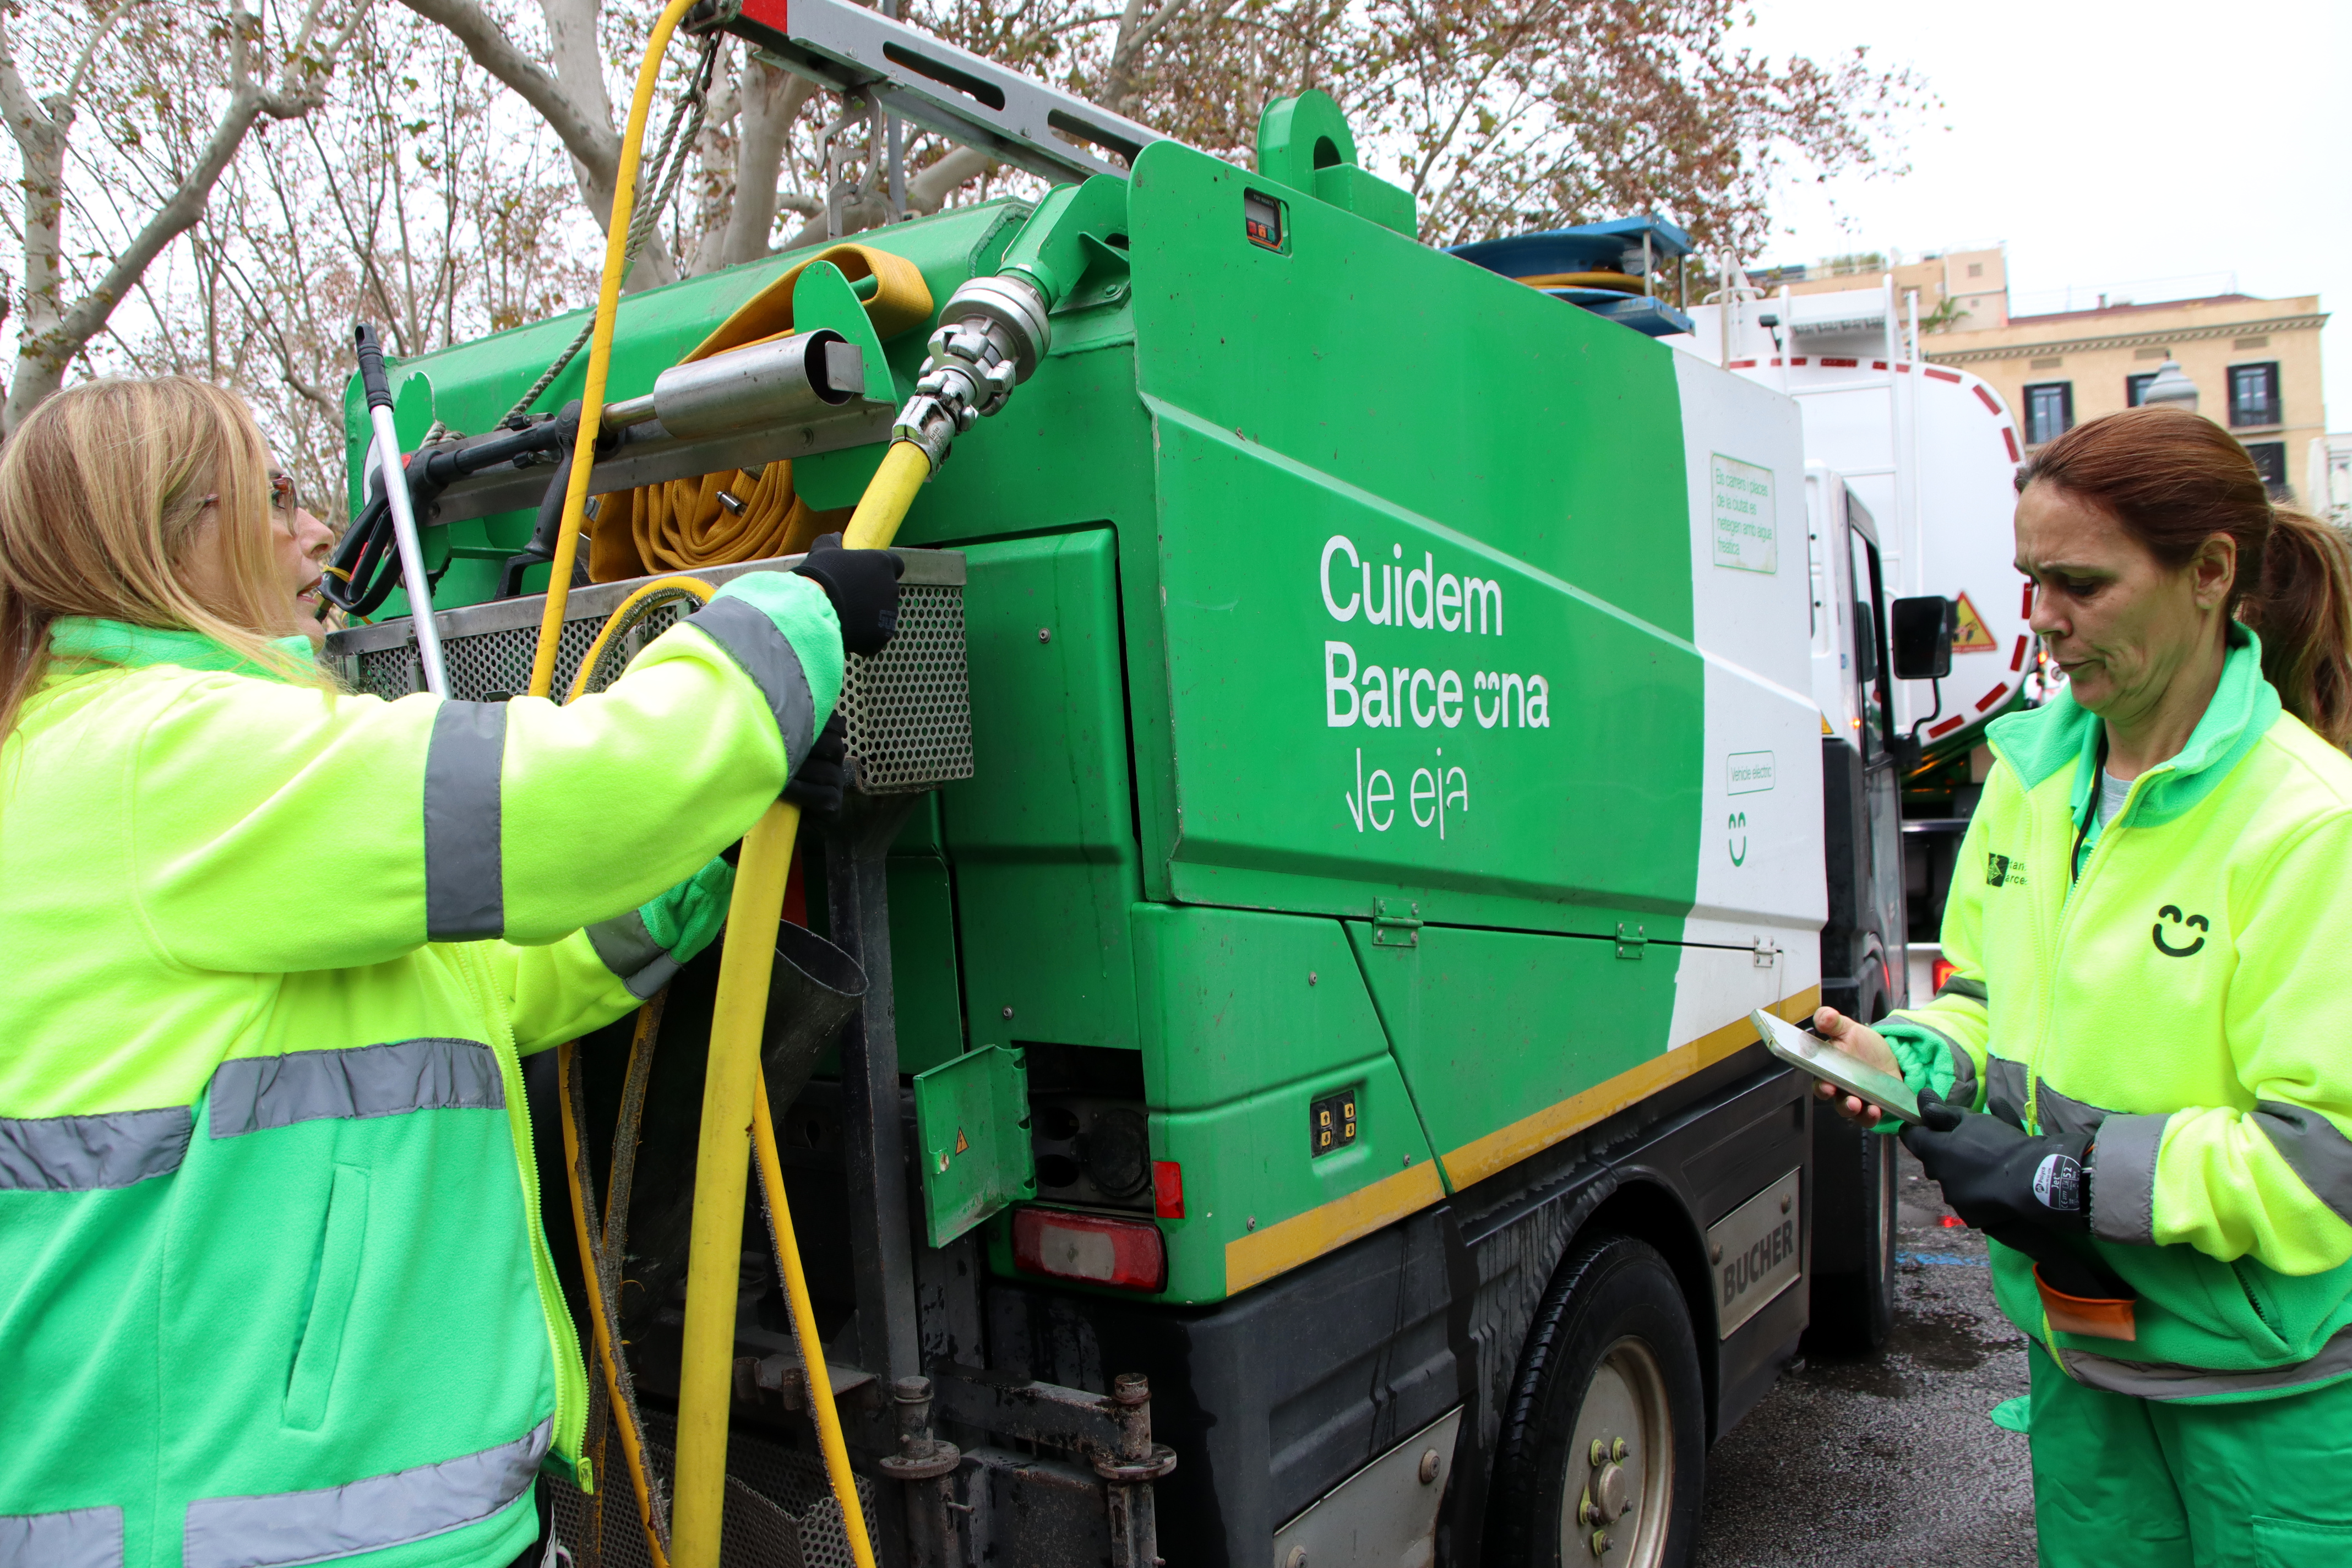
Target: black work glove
[816, 784]
[863, 587]
[1997, 1177]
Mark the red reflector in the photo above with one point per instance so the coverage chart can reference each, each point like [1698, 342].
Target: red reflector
[1167, 1189]
[1943, 967]
[1127, 1253]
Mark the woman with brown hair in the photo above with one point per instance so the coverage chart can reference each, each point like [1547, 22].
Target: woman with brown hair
[273, 1287]
[2137, 1080]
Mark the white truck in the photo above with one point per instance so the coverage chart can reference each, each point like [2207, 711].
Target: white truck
[1910, 472]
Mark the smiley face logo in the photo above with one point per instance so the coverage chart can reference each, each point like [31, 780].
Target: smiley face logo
[2171, 914]
[1738, 824]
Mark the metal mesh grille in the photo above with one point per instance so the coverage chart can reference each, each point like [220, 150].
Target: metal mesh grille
[909, 706]
[908, 709]
[780, 1509]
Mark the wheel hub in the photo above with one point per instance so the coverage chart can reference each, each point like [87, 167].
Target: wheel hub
[1622, 1499]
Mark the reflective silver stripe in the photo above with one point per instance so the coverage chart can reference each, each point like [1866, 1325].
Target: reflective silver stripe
[78, 1538]
[2065, 1116]
[253, 1093]
[629, 951]
[465, 885]
[2123, 1179]
[1972, 989]
[2314, 1147]
[1964, 1074]
[2169, 1380]
[382, 1511]
[2005, 1089]
[751, 640]
[85, 1153]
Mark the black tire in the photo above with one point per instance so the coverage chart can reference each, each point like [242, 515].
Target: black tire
[1854, 1188]
[1610, 1356]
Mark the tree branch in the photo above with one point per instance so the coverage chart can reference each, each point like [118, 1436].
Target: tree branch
[43, 354]
[930, 190]
[594, 146]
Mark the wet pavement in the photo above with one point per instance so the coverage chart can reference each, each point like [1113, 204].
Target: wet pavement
[1888, 1458]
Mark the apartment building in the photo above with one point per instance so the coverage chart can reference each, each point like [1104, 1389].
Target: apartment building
[2255, 362]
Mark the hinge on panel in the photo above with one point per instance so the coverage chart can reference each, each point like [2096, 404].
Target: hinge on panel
[1632, 940]
[1395, 923]
[1767, 953]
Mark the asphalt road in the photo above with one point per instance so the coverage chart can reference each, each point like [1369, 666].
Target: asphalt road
[1888, 1458]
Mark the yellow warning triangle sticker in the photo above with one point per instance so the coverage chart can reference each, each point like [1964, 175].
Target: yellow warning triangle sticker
[1974, 636]
[962, 1142]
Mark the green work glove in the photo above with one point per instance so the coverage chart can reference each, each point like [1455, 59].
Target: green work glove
[684, 919]
[652, 942]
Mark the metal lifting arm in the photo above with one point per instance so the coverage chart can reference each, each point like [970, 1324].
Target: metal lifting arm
[1011, 118]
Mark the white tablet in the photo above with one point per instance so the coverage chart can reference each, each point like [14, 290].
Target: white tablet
[1825, 1061]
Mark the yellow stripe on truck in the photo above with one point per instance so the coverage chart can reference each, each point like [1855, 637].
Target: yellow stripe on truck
[1258, 1257]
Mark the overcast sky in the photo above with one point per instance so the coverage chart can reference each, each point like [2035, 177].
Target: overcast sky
[2109, 144]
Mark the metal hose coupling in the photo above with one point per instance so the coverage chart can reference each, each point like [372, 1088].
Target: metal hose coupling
[990, 339]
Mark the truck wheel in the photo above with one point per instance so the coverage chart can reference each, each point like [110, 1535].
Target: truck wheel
[1854, 1238]
[1604, 1442]
[1854, 1188]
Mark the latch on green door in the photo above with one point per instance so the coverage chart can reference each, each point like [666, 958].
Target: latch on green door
[1632, 940]
[972, 1116]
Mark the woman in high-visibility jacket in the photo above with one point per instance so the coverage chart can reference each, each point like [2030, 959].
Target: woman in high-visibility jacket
[2139, 1078]
[273, 1287]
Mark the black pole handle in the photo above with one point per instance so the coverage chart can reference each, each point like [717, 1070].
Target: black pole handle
[372, 377]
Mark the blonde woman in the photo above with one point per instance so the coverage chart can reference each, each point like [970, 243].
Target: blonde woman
[272, 1284]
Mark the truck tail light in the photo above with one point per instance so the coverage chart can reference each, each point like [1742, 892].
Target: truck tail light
[1167, 1189]
[1943, 972]
[1126, 1253]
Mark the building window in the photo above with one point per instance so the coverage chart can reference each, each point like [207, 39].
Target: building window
[2255, 395]
[2270, 458]
[2136, 388]
[2049, 411]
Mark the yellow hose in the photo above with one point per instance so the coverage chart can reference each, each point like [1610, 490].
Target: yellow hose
[734, 1101]
[888, 495]
[600, 344]
[820, 1380]
[621, 620]
[739, 1017]
[714, 1262]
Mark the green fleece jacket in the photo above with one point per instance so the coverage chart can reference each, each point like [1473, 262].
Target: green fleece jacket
[2175, 984]
[273, 1289]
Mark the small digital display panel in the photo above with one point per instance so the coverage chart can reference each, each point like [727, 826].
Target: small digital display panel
[1262, 219]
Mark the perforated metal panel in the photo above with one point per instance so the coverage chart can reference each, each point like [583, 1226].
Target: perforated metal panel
[909, 706]
[780, 1512]
[907, 709]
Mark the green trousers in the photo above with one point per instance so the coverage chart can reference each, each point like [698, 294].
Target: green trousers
[2135, 1483]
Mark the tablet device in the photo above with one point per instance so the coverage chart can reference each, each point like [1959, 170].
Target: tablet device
[1825, 1061]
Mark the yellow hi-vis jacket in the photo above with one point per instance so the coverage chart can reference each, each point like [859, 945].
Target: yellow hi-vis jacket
[273, 1287]
[2176, 983]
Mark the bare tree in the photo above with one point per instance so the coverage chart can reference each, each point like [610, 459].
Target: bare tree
[175, 154]
[455, 181]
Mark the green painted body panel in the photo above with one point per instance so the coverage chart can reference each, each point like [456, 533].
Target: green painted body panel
[1170, 828]
[971, 1128]
[1493, 1025]
[1043, 833]
[1247, 1163]
[1239, 1000]
[923, 960]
